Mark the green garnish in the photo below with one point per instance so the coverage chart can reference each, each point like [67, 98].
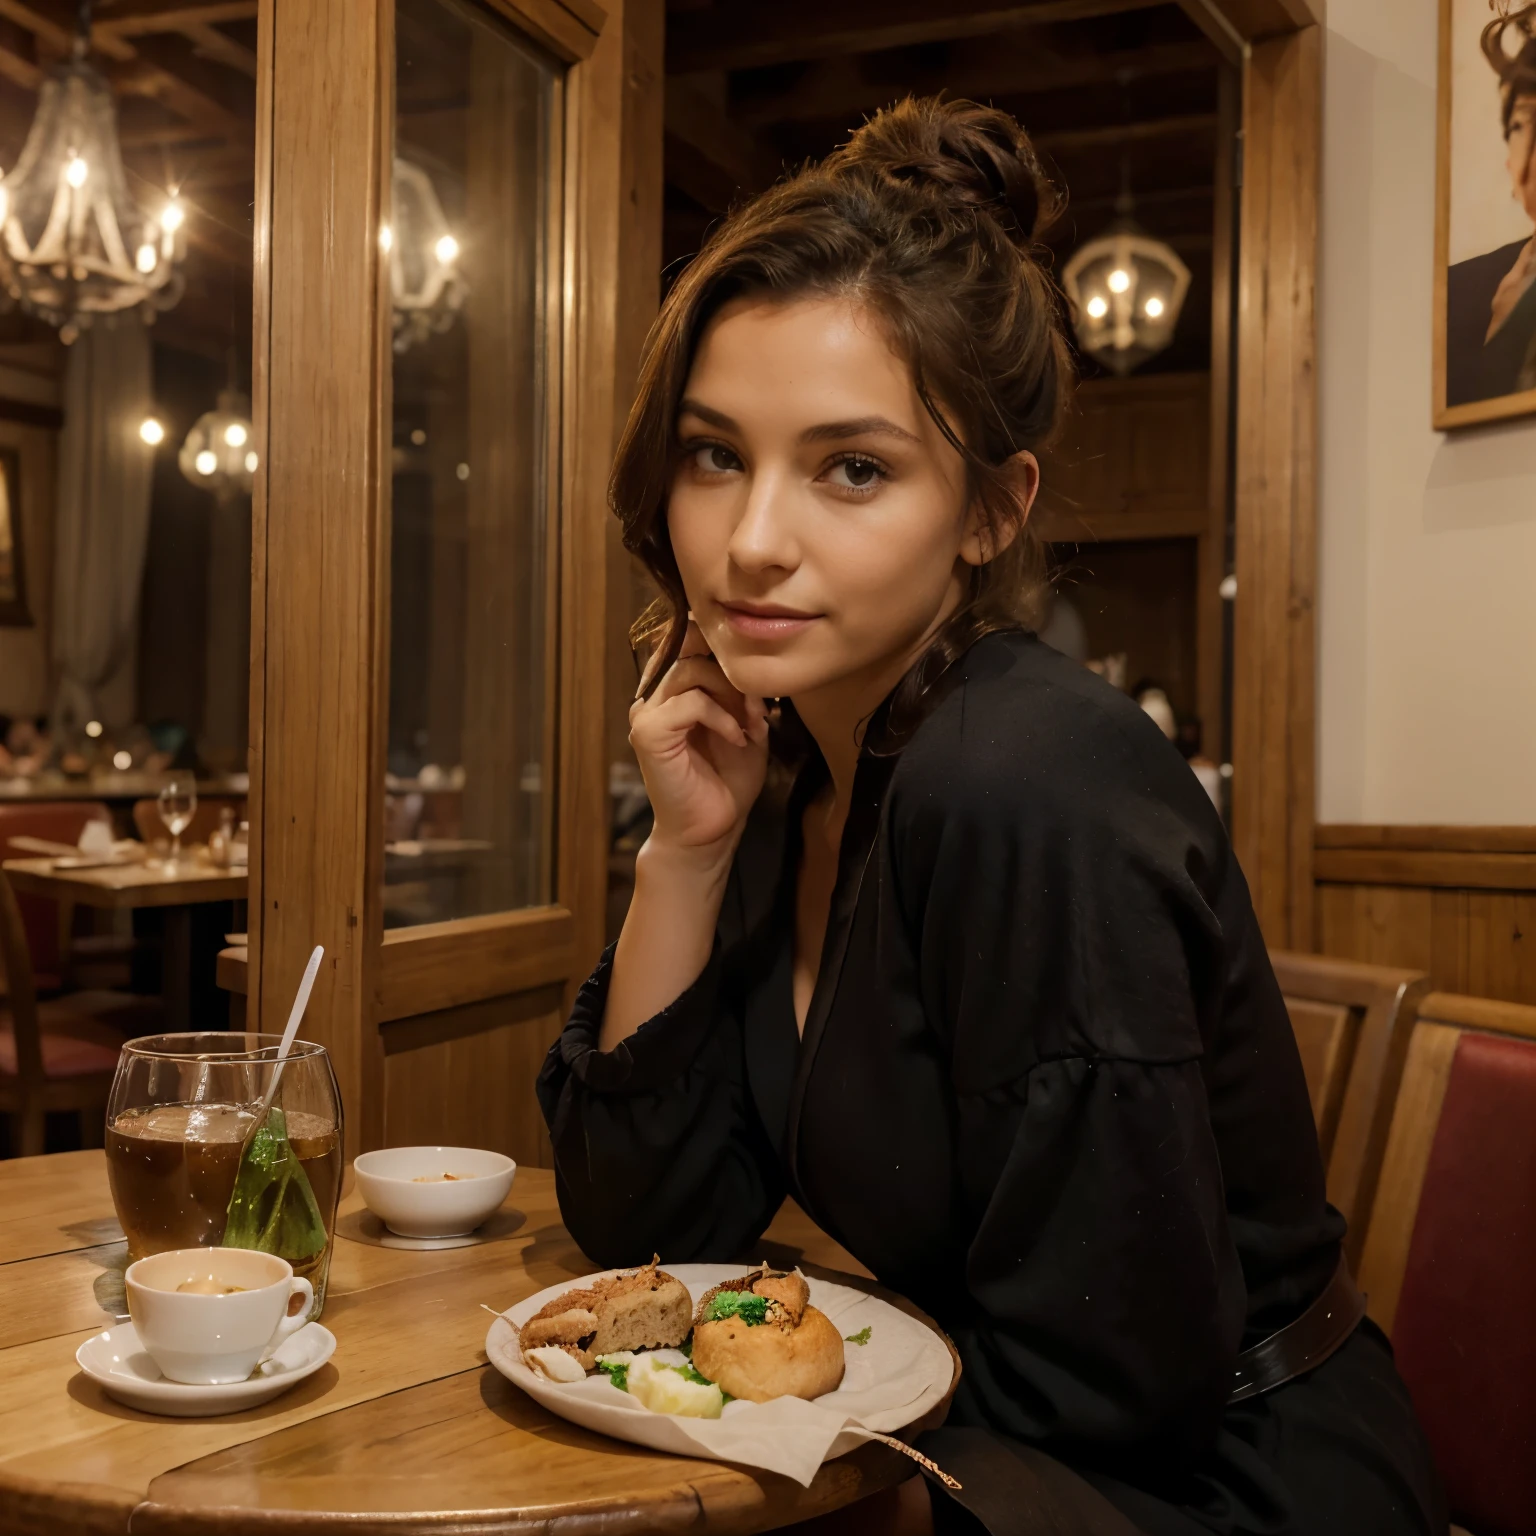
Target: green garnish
[861, 1337]
[617, 1371]
[688, 1373]
[750, 1308]
[686, 1347]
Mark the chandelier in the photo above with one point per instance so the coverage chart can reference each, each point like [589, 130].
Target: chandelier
[1127, 290]
[423, 258]
[218, 454]
[73, 243]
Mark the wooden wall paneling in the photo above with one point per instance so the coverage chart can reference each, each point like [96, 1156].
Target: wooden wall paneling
[474, 1087]
[1273, 696]
[319, 604]
[1458, 902]
[1210, 609]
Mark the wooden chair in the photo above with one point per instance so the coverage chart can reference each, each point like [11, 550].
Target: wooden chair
[1450, 1256]
[47, 926]
[1351, 1022]
[57, 1054]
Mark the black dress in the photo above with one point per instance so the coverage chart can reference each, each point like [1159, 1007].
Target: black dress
[1047, 1088]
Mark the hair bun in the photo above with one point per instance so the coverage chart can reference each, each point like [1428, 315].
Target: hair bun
[966, 154]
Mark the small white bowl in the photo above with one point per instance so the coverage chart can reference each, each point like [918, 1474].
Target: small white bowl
[389, 1181]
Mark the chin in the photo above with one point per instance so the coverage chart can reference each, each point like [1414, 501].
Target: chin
[770, 677]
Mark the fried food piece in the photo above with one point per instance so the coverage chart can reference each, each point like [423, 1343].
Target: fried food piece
[645, 1308]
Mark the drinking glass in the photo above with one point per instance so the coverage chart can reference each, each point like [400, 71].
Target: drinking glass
[178, 805]
[187, 1169]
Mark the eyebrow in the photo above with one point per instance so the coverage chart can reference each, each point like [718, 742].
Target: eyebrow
[827, 431]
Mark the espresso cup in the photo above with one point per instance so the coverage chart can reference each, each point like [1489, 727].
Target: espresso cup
[210, 1315]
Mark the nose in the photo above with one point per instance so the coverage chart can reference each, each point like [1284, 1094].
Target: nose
[764, 537]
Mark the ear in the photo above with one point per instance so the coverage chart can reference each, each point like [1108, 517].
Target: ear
[985, 539]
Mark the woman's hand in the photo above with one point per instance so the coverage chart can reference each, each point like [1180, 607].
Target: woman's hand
[702, 746]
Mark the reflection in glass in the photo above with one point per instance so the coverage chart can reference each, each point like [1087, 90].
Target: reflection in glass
[470, 792]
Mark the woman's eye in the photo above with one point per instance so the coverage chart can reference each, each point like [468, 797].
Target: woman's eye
[856, 474]
[715, 459]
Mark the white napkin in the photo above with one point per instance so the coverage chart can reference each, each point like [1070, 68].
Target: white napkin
[96, 839]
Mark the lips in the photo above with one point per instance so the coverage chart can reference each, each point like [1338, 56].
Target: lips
[766, 621]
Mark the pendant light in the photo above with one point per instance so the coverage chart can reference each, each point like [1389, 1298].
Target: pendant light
[74, 244]
[1127, 291]
[424, 280]
[219, 453]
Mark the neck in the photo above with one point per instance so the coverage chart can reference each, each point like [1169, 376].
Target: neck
[837, 715]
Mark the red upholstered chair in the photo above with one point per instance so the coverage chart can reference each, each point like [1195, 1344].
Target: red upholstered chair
[57, 1054]
[1449, 1265]
[1351, 1023]
[56, 821]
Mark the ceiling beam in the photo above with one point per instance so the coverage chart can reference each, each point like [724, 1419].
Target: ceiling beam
[1068, 140]
[19, 71]
[143, 70]
[209, 43]
[139, 18]
[1003, 67]
[723, 38]
[708, 155]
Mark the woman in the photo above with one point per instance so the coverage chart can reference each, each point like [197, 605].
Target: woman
[1491, 299]
[984, 990]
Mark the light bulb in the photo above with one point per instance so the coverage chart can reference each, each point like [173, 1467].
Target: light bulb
[447, 249]
[1119, 280]
[206, 462]
[1098, 306]
[1154, 308]
[235, 434]
[93, 728]
[151, 431]
[172, 216]
[145, 260]
[251, 461]
[76, 171]
[386, 237]
[122, 761]
[462, 471]
[419, 438]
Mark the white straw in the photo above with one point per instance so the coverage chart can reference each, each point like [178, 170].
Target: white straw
[295, 1017]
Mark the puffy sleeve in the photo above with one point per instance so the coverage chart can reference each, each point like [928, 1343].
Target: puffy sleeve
[1070, 957]
[658, 1144]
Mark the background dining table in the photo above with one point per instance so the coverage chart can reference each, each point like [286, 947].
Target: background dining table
[406, 1429]
[192, 882]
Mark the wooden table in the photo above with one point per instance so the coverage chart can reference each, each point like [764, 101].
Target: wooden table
[406, 1430]
[120, 886]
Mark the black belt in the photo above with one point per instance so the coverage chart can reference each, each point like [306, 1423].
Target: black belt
[1304, 1344]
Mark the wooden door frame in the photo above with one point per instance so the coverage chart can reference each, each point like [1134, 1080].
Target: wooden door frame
[321, 396]
[1278, 45]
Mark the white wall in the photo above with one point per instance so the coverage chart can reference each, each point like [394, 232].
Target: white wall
[1427, 540]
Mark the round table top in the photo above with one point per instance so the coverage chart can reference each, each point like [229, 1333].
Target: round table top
[406, 1429]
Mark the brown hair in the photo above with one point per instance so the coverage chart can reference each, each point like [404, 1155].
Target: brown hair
[1517, 70]
[929, 215]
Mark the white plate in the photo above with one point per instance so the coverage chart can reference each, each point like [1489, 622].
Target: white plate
[120, 1364]
[892, 1381]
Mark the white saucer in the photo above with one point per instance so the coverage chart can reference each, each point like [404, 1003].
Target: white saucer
[365, 1227]
[119, 1363]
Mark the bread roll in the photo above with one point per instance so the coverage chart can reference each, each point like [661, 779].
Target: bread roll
[794, 1351]
[803, 1359]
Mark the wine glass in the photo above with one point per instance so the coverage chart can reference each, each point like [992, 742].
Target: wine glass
[178, 804]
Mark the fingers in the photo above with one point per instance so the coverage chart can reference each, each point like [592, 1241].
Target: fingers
[664, 727]
[693, 645]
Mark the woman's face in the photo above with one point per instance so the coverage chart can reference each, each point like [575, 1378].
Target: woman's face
[1522, 153]
[818, 516]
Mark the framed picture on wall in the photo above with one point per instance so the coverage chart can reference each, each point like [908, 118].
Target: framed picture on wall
[1485, 219]
[13, 569]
